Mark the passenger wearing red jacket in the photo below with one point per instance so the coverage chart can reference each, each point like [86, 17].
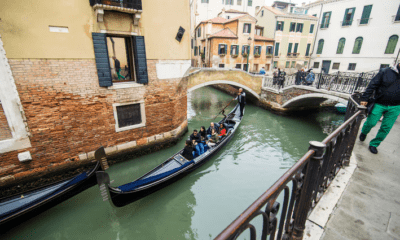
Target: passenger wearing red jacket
[222, 130]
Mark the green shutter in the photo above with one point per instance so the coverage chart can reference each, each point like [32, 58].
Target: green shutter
[293, 64]
[352, 15]
[277, 26]
[320, 46]
[323, 20]
[397, 18]
[344, 23]
[391, 46]
[249, 28]
[102, 59]
[357, 45]
[195, 50]
[140, 59]
[329, 19]
[340, 47]
[296, 45]
[292, 26]
[276, 49]
[365, 15]
[290, 48]
[231, 49]
[287, 64]
[312, 28]
[308, 49]
[226, 48]
[283, 25]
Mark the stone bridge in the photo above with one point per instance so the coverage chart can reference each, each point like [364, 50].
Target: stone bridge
[291, 97]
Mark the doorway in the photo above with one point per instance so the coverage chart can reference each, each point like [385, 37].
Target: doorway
[326, 65]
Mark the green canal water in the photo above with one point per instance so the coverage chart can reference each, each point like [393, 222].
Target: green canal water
[203, 203]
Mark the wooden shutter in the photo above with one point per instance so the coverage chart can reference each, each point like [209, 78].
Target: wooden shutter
[296, 45]
[277, 26]
[329, 18]
[365, 15]
[320, 46]
[312, 28]
[397, 18]
[341, 44]
[357, 45]
[290, 48]
[140, 59]
[308, 49]
[102, 59]
[323, 20]
[391, 46]
[249, 28]
[276, 49]
[352, 15]
[344, 23]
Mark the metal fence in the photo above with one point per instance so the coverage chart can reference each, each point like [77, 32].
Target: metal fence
[309, 178]
[345, 82]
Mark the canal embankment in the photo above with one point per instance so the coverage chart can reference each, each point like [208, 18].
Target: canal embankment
[365, 205]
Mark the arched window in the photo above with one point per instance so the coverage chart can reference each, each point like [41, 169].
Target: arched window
[320, 46]
[357, 45]
[391, 46]
[340, 46]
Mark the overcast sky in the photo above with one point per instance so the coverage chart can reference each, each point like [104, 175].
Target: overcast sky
[298, 2]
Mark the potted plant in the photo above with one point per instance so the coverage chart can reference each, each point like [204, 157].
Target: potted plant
[234, 55]
[257, 55]
[244, 54]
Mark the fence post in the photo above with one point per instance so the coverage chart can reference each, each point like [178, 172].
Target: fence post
[360, 78]
[353, 135]
[310, 181]
[319, 80]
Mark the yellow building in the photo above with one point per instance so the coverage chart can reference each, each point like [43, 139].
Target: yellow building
[63, 94]
[293, 34]
[230, 43]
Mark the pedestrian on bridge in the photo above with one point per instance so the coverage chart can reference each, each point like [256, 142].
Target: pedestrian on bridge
[262, 71]
[386, 85]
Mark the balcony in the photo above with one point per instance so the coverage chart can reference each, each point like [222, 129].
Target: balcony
[346, 23]
[126, 6]
[363, 21]
[289, 55]
[268, 55]
[257, 55]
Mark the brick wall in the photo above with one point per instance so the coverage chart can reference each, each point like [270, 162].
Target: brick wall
[5, 132]
[69, 114]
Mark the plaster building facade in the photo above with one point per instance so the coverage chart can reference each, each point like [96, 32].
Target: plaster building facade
[293, 32]
[355, 35]
[229, 43]
[63, 94]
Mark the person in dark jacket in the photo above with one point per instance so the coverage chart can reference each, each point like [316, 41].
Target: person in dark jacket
[196, 140]
[242, 100]
[204, 138]
[386, 85]
[188, 150]
[117, 66]
[212, 126]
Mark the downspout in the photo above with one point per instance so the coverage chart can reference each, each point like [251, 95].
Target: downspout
[315, 38]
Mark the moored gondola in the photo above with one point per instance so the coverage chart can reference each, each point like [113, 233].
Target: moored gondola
[22, 206]
[166, 173]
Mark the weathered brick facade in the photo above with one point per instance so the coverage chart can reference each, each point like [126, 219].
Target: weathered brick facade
[70, 116]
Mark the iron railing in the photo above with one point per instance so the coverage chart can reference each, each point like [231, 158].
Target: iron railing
[308, 178]
[132, 4]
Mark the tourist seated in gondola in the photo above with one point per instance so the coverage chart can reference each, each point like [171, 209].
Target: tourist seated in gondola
[212, 126]
[196, 139]
[212, 141]
[204, 138]
[188, 150]
[222, 130]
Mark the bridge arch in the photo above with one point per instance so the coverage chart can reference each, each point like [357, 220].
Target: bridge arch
[215, 82]
[311, 99]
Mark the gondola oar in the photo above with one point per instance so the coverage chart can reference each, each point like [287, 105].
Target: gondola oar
[223, 109]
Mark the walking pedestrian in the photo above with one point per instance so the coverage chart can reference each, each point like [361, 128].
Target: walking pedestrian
[386, 85]
[117, 65]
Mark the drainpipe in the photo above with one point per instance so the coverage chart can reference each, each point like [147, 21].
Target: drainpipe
[315, 38]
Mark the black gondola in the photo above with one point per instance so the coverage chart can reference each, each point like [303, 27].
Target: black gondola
[166, 173]
[20, 207]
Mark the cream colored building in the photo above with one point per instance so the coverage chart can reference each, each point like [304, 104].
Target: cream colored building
[293, 34]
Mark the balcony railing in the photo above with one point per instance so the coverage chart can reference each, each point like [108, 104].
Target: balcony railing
[346, 23]
[363, 21]
[131, 4]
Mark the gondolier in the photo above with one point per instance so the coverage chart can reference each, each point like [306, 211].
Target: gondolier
[386, 85]
[241, 100]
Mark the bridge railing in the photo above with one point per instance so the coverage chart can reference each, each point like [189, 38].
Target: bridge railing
[302, 186]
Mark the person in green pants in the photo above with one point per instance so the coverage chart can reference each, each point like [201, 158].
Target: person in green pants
[386, 85]
[118, 68]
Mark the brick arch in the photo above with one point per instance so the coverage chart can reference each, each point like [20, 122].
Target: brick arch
[249, 82]
[315, 98]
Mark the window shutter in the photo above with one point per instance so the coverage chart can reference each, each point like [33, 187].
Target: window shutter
[357, 45]
[312, 28]
[276, 49]
[320, 46]
[344, 18]
[277, 26]
[231, 49]
[352, 15]
[391, 46]
[249, 28]
[341, 44]
[102, 60]
[329, 19]
[308, 49]
[323, 19]
[243, 49]
[290, 48]
[140, 59]
[296, 45]
[226, 48]
[283, 25]
[365, 15]
[397, 18]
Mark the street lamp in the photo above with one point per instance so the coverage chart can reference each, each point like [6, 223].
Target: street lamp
[248, 53]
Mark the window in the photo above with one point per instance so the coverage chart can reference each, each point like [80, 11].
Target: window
[257, 50]
[314, 15]
[195, 50]
[292, 27]
[275, 64]
[357, 45]
[326, 17]
[289, 50]
[365, 14]
[129, 115]
[259, 31]
[340, 46]
[269, 50]
[293, 64]
[245, 66]
[384, 66]
[234, 49]
[276, 49]
[279, 26]
[247, 28]
[296, 46]
[228, 2]
[262, 13]
[320, 46]
[308, 49]
[204, 1]
[352, 66]
[250, 3]
[305, 63]
[287, 64]
[255, 68]
[336, 66]
[348, 17]
[228, 17]
[199, 32]
[245, 49]
[397, 17]
[299, 27]
[391, 45]
[266, 67]
[222, 49]
[239, 2]
[311, 28]
[238, 66]
[316, 65]
[121, 58]
[221, 65]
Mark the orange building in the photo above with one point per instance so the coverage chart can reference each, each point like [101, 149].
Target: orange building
[230, 43]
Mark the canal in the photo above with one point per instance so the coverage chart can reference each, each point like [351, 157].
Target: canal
[203, 203]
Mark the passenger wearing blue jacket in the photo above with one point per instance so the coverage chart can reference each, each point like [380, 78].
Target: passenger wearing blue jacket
[310, 77]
